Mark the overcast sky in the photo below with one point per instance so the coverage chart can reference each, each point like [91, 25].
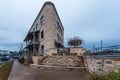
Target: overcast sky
[91, 20]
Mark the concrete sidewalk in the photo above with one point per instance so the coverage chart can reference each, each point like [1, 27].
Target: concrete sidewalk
[20, 72]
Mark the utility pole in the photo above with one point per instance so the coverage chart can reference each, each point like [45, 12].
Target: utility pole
[21, 46]
[21, 50]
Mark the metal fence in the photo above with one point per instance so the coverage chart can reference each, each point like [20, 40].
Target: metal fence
[108, 50]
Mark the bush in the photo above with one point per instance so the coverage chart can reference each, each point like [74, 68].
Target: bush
[21, 60]
[75, 41]
[110, 76]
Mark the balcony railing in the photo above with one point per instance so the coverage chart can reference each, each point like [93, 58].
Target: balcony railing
[30, 33]
[31, 43]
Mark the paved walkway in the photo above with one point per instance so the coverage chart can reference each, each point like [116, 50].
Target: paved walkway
[20, 72]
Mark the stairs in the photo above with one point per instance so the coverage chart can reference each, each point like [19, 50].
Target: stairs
[66, 62]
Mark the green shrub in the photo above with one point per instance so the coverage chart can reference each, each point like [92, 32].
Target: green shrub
[114, 75]
[21, 60]
[110, 76]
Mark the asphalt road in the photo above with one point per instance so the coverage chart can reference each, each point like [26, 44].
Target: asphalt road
[20, 72]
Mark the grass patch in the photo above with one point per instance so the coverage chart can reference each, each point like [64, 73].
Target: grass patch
[5, 70]
[110, 76]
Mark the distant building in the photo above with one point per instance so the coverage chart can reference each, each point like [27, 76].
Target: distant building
[4, 52]
[46, 31]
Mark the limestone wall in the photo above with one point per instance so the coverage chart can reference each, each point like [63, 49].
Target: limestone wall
[51, 51]
[57, 60]
[70, 61]
[102, 65]
[78, 51]
[38, 59]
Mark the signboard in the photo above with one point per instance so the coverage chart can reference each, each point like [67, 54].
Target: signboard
[63, 50]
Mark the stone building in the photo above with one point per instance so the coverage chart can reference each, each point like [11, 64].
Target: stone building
[46, 31]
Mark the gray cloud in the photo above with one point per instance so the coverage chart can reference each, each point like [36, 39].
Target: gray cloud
[91, 20]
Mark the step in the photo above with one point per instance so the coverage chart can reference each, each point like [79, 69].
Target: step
[56, 67]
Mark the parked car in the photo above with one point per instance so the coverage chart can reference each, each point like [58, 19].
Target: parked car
[4, 58]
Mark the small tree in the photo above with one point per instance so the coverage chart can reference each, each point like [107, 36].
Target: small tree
[75, 41]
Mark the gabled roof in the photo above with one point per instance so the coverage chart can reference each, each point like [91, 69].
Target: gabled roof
[46, 3]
